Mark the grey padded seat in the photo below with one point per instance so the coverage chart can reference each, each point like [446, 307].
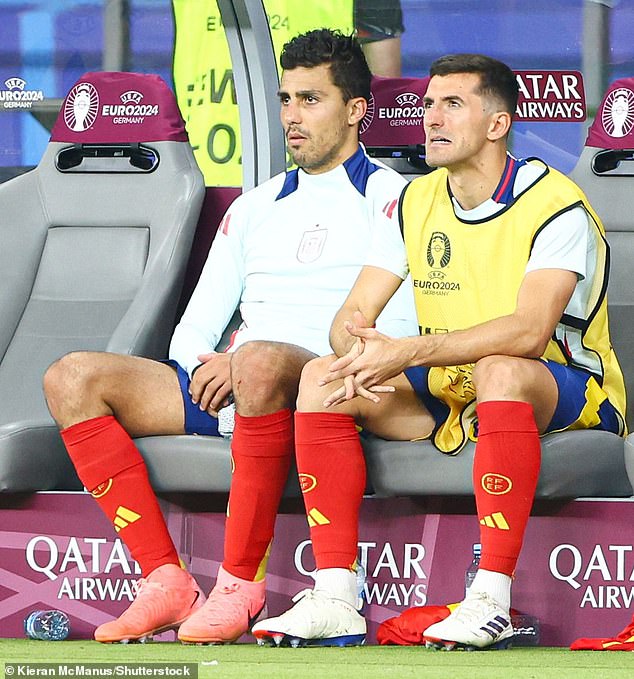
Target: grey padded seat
[574, 464]
[607, 173]
[92, 257]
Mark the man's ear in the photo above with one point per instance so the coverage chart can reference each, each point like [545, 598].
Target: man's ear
[500, 125]
[357, 106]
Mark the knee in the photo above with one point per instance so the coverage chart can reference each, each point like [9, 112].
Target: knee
[311, 395]
[254, 363]
[66, 379]
[265, 375]
[496, 375]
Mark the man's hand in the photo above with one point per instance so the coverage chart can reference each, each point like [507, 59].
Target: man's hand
[373, 360]
[210, 386]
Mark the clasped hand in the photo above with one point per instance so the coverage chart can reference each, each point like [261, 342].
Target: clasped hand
[373, 359]
[210, 386]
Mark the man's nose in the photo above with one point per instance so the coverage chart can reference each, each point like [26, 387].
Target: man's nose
[432, 117]
[291, 113]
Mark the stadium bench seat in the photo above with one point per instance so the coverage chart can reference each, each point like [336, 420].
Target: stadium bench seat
[606, 172]
[574, 464]
[94, 244]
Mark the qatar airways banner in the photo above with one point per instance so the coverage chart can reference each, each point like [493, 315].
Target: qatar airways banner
[575, 575]
[396, 107]
[550, 96]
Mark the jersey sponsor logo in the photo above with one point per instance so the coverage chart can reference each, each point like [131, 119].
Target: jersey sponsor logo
[312, 245]
[101, 489]
[496, 484]
[81, 107]
[17, 96]
[617, 116]
[307, 482]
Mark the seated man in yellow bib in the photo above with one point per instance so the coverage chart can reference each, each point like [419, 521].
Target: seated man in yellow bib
[509, 264]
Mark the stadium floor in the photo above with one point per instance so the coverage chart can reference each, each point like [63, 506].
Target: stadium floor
[246, 661]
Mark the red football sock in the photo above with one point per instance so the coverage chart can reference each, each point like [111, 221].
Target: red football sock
[332, 474]
[112, 469]
[505, 473]
[262, 448]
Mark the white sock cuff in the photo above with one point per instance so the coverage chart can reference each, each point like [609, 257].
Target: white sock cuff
[340, 583]
[497, 585]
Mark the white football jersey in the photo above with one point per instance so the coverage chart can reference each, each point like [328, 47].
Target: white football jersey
[287, 253]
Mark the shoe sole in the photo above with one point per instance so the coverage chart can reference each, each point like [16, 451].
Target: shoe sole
[444, 645]
[142, 638]
[290, 641]
[148, 636]
[206, 641]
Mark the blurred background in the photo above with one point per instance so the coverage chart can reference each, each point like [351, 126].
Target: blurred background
[49, 44]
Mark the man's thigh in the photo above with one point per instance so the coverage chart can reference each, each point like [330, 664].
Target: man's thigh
[144, 395]
[399, 416]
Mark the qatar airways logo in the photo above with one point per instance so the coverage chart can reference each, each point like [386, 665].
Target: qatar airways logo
[82, 567]
[395, 573]
[602, 576]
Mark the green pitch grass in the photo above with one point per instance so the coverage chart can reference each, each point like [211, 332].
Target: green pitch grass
[245, 661]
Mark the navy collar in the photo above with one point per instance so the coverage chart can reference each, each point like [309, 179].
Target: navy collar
[358, 168]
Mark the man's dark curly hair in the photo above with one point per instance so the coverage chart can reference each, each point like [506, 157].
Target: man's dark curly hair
[349, 69]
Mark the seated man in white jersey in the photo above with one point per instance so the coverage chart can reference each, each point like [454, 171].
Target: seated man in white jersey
[509, 265]
[287, 253]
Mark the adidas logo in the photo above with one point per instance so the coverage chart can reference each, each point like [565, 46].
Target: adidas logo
[495, 626]
[316, 518]
[495, 520]
[124, 517]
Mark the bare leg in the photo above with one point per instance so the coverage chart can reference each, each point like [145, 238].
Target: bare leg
[143, 395]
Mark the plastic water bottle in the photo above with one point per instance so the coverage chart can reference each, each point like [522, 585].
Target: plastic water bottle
[526, 629]
[47, 625]
[360, 586]
[470, 574]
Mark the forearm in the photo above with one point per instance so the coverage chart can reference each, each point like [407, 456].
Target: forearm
[510, 335]
[341, 340]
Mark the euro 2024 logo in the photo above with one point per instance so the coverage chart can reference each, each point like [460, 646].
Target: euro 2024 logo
[17, 96]
[618, 112]
[81, 107]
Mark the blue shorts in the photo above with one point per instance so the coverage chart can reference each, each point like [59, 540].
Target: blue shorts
[197, 421]
[449, 396]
